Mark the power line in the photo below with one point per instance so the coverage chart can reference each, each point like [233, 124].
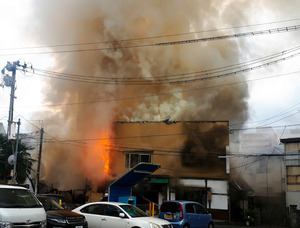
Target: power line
[166, 135]
[182, 77]
[209, 171]
[147, 38]
[260, 122]
[167, 93]
[244, 34]
[115, 47]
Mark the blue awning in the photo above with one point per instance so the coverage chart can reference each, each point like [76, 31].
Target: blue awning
[124, 185]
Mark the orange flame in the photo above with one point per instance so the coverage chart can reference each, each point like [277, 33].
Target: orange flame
[103, 148]
[104, 153]
[96, 161]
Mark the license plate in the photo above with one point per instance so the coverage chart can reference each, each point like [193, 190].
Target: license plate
[78, 226]
[168, 216]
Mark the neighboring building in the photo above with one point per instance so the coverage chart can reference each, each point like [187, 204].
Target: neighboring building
[259, 172]
[188, 152]
[292, 162]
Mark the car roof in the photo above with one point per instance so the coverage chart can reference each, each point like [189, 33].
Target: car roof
[180, 201]
[106, 202]
[43, 196]
[12, 186]
[51, 194]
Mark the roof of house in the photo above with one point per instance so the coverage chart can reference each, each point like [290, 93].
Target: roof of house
[290, 140]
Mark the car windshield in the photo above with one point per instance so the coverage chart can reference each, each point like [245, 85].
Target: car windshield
[50, 204]
[57, 198]
[172, 207]
[17, 198]
[133, 211]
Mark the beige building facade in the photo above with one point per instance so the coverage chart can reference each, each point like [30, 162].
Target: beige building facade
[188, 154]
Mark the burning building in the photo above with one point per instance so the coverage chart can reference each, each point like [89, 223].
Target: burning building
[105, 66]
[125, 79]
[188, 153]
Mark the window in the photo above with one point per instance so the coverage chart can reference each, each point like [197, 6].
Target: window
[12, 198]
[292, 158]
[133, 211]
[189, 208]
[133, 159]
[112, 211]
[172, 207]
[96, 209]
[200, 209]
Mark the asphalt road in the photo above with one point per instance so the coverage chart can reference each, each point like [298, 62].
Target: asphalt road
[244, 226]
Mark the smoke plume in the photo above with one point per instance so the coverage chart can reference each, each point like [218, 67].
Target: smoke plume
[88, 110]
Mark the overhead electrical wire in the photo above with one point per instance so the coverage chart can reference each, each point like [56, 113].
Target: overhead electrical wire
[293, 108]
[164, 135]
[264, 121]
[181, 78]
[147, 38]
[237, 35]
[215, 171]
[166, 93]
[172, 152]
[117, 47]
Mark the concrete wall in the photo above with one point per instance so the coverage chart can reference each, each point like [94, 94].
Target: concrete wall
[219, 191]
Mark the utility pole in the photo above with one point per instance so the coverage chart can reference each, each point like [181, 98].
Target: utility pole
[16, 155]
[39, 162]
[10, 81]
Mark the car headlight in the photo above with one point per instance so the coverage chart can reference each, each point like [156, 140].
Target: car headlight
[44, 224]
[153, 225]
[58, 220]
[5, 224]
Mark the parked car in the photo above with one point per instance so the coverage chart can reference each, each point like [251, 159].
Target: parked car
[184, 214]
[20, 208]
[114, 214]
[57, 216]
[60, 199]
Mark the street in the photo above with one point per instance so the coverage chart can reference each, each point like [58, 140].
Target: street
[235, 225]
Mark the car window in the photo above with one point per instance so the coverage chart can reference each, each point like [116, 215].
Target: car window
[58, 198]
[171, 207]
[13, 198]
[200, 209]
[133, 211]
[97, 209]
[111, 210]
[189, 208]
[50, 204]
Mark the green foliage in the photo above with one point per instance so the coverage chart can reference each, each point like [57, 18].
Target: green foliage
[24, 160]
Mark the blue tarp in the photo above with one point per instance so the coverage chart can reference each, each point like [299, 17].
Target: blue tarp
[123, 186]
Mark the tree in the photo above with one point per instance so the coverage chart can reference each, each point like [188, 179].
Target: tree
[24, 160]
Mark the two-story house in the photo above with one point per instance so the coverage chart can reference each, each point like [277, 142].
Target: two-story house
[188, 154]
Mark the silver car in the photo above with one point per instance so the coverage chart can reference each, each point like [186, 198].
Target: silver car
[121, 215]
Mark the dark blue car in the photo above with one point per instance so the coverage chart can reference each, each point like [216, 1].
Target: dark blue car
[186, 214]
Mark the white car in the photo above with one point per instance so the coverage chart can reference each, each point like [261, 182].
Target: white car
[118, 215]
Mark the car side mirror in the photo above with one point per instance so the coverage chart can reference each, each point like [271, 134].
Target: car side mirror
[122, 215]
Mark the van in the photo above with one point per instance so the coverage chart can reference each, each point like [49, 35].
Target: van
[20, 208]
